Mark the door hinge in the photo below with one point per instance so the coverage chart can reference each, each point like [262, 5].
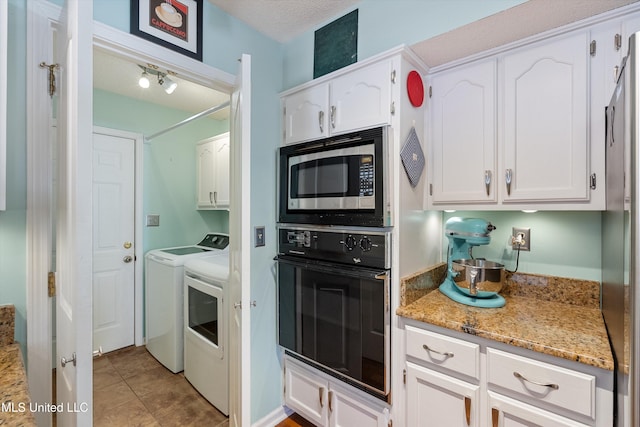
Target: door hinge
[52, 76]
[393, 108]
[51, 284]
[431, 189]
[592, 181]
[617, 42]
[430, 91]
[404, 376]
[592, 48]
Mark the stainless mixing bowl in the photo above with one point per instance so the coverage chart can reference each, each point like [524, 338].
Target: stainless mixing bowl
[477, 277]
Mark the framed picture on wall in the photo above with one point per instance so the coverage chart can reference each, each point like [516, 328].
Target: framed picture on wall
[174, 24]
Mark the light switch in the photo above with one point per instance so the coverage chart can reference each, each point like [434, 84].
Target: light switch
[259, 236]
[153, 220]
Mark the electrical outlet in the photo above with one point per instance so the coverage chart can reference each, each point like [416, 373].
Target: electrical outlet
[524, 234]
[153, 220]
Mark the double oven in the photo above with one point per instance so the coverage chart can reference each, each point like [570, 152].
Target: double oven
[334, 257]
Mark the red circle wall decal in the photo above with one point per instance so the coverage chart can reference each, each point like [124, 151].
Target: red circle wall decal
[415, 88]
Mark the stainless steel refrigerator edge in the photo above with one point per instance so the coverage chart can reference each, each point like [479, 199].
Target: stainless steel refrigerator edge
[621, 237]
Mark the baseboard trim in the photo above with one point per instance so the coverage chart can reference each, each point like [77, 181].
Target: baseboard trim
[273, 418]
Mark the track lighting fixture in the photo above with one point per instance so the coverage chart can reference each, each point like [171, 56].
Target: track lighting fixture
[144, 79]
[168, 84]
[163, 80]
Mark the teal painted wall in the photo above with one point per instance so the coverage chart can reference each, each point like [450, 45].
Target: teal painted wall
[13, 263]
[565, 244]
[384, 24]
[169, 167]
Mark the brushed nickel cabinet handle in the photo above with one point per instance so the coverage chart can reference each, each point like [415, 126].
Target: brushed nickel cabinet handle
[487, 181]
[321, 120]
[427, 348]
[333, 116]
[495, 416]
[467, 409]
[508, 176]
[521, 377]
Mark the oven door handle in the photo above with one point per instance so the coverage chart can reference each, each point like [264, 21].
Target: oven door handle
[347, 270]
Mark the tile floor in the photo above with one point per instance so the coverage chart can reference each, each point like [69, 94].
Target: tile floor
[131, 388]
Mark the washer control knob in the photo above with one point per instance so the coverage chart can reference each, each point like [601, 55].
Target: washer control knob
[365, 244]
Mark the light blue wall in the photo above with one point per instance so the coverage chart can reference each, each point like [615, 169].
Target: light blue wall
[13, 221]
[565, 244]
[383, 24]
[169, 167]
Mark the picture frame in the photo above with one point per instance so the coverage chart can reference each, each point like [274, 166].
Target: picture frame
[174, 24]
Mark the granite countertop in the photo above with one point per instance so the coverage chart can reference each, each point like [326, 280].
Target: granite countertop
[565, 329]
[14, 390]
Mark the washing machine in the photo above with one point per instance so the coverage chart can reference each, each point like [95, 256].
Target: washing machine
[206, 328]
[164, 287]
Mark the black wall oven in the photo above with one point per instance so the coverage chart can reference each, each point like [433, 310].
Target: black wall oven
[336, 181]
[333, 303]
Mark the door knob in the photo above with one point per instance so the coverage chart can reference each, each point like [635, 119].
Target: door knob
[64, 360]
[127, 245]
[127, 259]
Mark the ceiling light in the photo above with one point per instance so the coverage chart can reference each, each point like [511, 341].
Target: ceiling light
[144, 80]
[168, 84]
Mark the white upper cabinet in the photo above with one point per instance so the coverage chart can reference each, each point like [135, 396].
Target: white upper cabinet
[512, 131]
[545, 113]
[213, 172]
[352, 101]
[463, 121]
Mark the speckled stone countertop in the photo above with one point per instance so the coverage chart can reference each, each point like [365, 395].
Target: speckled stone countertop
[555, 316]
[14, 391]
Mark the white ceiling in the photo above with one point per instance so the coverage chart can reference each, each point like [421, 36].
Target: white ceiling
[115, 74]
[283, 20]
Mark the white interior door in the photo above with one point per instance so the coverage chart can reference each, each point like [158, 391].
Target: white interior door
[73, 230]
[240, 249]
[113, 241]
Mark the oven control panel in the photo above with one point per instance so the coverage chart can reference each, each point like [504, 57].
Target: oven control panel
[370, 249]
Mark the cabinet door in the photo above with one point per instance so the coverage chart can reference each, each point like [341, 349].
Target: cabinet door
[546, 150]
[306, 394]
[346, 411]
[506, 412]
[206, 177]
[305, 114]
[221, 172]
[361, 99]
[434, 399]
[463, 117]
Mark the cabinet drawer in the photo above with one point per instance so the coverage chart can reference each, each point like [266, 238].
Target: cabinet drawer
[450, 353]
[541, 382]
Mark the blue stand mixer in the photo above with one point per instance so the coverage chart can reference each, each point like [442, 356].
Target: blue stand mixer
[474, 282]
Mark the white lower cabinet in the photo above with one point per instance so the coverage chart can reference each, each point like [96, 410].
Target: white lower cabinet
[457, 380]
[506, 412]
[325, 401]
[435, 399]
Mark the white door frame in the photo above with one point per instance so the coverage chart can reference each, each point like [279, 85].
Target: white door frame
[41, 19]
[138, 141]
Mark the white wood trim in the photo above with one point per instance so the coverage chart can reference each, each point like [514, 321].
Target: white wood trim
[4, 26]
[139, 224]
[135, 49]
[40, 21]
[273, 418]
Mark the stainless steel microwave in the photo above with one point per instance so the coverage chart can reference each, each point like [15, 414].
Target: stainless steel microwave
[341, 180]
